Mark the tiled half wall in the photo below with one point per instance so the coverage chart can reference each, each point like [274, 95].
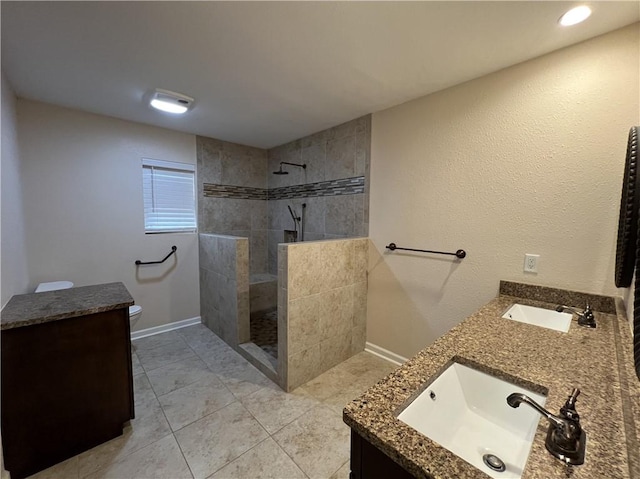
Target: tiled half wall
[322, 305]
[224, 286]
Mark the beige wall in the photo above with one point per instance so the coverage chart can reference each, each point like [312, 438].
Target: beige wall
[15, 278]
[82, 181]
[525, 160]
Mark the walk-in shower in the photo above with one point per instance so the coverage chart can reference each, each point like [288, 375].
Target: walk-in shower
[262, 215]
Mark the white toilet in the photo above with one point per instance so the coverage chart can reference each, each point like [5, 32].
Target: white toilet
[53, 285]
[135, 311]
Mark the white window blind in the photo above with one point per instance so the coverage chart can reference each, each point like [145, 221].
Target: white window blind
[169, 196]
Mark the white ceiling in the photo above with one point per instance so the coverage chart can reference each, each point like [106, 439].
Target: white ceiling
[265, 73]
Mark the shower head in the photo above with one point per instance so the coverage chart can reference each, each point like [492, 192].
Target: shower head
[280, 172]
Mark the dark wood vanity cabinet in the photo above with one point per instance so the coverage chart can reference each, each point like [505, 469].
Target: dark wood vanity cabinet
[66, 387]
[369, 462]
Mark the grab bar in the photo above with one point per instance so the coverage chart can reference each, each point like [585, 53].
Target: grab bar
[173, 250]
[460, 253]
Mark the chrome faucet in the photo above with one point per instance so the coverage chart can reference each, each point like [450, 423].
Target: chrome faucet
[566, 439]
[585, 318]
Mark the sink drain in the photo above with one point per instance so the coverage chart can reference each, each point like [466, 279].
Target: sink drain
[494, 463]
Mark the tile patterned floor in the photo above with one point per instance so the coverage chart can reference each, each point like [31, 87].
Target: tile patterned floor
[204, 412]
[264, 332]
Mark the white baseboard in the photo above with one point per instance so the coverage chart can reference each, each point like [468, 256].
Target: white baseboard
[385, 354]
[143, 333]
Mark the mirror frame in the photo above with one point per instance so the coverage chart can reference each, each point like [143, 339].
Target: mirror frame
[628, 221]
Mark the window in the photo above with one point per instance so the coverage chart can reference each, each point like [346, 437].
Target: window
[169, 196]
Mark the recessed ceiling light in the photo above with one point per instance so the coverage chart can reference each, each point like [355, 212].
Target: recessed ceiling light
[575, 15]
[170, 101]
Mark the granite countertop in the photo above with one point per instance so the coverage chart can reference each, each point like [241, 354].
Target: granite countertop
[36, 308]
[598, 361]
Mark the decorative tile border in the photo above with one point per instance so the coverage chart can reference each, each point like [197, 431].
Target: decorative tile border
[343, 186]
[230, 191]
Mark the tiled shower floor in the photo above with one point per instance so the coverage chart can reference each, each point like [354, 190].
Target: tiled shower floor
[264, 332]
[202, 411]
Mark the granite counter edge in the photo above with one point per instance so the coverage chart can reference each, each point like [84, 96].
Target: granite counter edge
[58, 317]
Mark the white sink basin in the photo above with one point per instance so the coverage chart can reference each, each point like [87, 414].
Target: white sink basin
[466, 411]
[544, 318]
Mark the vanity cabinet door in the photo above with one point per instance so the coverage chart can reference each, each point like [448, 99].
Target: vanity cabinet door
[66, 387]
[368, 462]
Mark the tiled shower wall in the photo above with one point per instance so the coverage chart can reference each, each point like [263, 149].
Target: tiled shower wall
[335, 209]
[232, 181]
[239, 195]
[224, 286]
[322, 306]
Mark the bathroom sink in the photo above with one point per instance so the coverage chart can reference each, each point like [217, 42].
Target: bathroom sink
[544, 318]
[466, 411]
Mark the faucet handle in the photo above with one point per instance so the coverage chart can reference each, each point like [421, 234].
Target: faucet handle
[569, 409]
[587, 318]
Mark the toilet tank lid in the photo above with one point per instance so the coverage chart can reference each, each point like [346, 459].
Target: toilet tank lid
[53, 286]
[134, 309]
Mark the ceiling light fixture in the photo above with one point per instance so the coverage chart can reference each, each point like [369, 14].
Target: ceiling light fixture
[575, 15]
[170, 101]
